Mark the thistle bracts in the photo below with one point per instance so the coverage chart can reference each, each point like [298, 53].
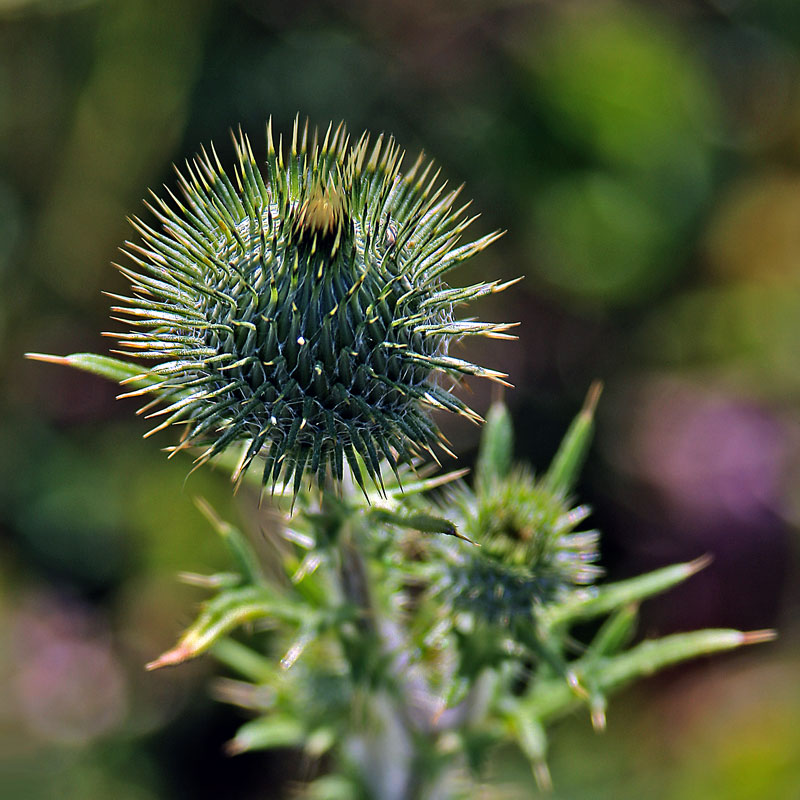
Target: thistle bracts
[303, 311]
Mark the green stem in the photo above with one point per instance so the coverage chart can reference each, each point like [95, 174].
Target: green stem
[403, 707]
[355, 583]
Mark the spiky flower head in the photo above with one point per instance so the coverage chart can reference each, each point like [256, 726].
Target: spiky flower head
[531, 552]
[303, 310]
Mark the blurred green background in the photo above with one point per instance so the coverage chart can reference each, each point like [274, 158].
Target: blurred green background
[645, 160]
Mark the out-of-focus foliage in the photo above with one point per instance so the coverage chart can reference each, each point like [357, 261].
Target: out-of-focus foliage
[643, 157]
[607, 226]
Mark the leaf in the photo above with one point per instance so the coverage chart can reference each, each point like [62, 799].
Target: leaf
[496, 448]
[229, 610]
[333, 787]
[237, 544]
[244, 660]
[551, 698]
[424, 523]
[598, 600]
[104, 366]
[562, 474]
[264, 733]
[532, 740]
[424, 484]
[614, 633]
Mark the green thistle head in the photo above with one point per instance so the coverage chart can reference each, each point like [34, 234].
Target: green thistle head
[531, 552]
[304, 310]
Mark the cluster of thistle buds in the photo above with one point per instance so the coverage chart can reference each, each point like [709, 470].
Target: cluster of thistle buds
[304, 310]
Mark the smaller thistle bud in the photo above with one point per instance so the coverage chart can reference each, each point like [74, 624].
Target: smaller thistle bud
[303, 310]
[521, 523]
[530, 552]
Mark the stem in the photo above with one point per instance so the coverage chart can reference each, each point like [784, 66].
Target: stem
[355, 583]
[387, 762]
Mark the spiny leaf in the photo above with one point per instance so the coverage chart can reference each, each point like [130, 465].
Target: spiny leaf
[237, 545]
[496, 448]
[264, 733]
[227, 611]
[131, 375]
[563, 472]
[599, 600]
[550, 699]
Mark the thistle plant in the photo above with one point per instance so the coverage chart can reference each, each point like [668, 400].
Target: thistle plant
[301, 328]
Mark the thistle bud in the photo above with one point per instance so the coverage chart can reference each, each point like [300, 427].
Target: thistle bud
[303, 310]
[531, 552]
